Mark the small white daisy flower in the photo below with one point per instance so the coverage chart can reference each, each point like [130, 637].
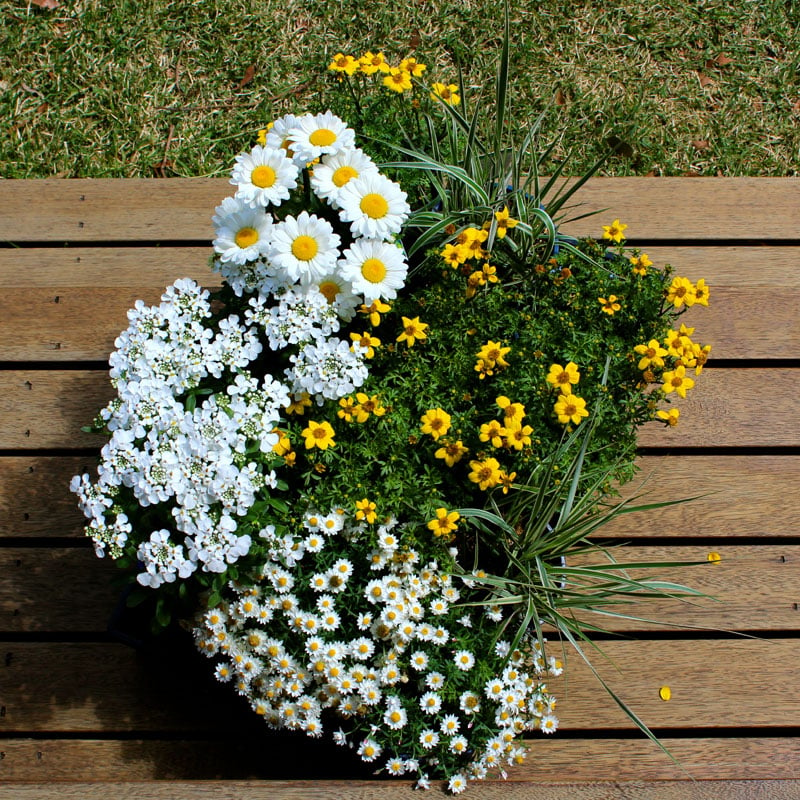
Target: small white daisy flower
[305, 248]
[336, 171]
[376, 269]
[263, 176]
[430, 702]
[450, 725]
[457, 783]
[429, 738]
[464, 660]
[374, 206]
[548, 724]
[242, 234]
[369, 750]
[317, 135]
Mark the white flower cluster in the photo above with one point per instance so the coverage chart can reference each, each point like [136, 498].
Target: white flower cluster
[192, 407]
[390, 676]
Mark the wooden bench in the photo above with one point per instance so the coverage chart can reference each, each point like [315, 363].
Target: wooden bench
[80, 709]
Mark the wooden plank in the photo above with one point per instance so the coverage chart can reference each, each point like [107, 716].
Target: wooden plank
[34, 495]
[727, 408]
[88, 267]
[403, 790]
[733, 408]
[753, 588]
[74, 324]
[40, 409]
[715, 683]
[79, 589]
[84, 266]
[236, 758]
[65, 325]
[756, 588]
[178, 210]
[742, 496]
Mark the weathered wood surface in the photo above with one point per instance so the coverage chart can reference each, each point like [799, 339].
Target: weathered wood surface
[399, 790]
[240, 757]
[90, 210]
[75, 705]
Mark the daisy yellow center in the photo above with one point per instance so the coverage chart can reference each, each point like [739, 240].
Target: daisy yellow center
[343, 175]
[263, 176]
[322, 137]
[329, 289]
[374, 270]
[304, 248]
[374, 205]
[246, 237]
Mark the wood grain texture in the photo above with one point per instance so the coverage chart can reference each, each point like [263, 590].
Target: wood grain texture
[733, 408]
[756, 588]
[41, 409]
[735, 496]
[88, 210]
[79, 587]
[403, 790]
[84, 687]
[233, 757]
[727, 408]
[81, 324]
[741, 496]
[750, 589]
[34, 495]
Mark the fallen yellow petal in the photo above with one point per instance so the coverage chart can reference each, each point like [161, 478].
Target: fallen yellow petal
[665, 693]
[714, 557]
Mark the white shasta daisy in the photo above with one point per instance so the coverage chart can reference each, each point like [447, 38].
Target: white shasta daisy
[376, 269]
[243, 233]
[339, 293]
[305, 248]
[374, 206]
[337, 170]
[317, 135]
[278, 136]
[263, 176]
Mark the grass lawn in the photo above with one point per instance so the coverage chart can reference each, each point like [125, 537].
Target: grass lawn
[178, 87]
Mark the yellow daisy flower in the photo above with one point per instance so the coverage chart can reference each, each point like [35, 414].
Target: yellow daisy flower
[570, 408]
[318, 434]
[563, 378]
[452, 452]
[436, 422]
[413, 329]
[614, 231]
[485, 473]
[446, 93]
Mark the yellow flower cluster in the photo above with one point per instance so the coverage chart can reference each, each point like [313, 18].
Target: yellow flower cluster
[569, 407]
[683, 292]
[685, 354]
[491, 357]
[396, 78]
[469, 246]
[360, 408]
[510, 433]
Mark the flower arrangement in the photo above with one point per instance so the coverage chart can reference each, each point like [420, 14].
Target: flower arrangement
[355, 470]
